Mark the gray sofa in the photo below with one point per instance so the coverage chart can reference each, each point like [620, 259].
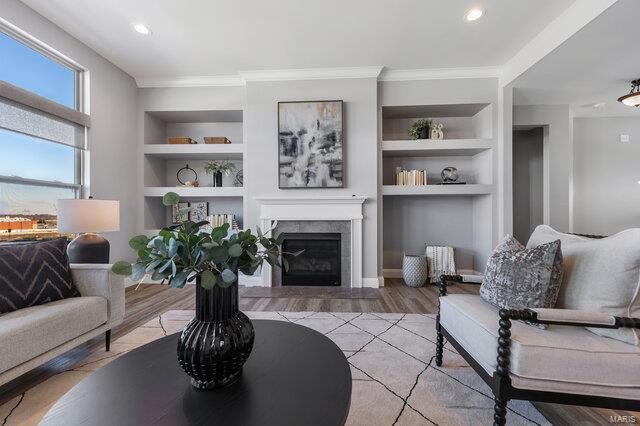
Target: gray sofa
[32, 336]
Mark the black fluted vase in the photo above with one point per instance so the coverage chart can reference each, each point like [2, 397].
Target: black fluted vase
[214, 345]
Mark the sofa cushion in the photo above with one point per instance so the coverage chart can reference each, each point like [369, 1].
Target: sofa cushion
[34, 273]
[518, 278]
[561, 357]
[29, 332]
[600, 275]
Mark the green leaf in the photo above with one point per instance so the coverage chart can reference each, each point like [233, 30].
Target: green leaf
[170, 199]
[159, 245]
[139, 242]
[280, 239]
[228, 276]
[179, 279]
[207, 279]
[173, 247]
[138, 271]
[121, 268]
[285, 264]
[151, 266]
[235, 250]
[166, 265]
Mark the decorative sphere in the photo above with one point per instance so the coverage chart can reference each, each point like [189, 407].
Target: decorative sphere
[449, 174]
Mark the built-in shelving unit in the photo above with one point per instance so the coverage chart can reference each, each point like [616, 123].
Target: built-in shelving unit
[435, 214]
[187, 191]
[427, 190]
[165, 151]
[435, 148]
[162, 161]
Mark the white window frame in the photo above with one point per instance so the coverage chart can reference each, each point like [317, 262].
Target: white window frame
[81, 174]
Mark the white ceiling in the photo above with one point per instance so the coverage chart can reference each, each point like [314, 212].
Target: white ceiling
[595, 65]
[214, 37]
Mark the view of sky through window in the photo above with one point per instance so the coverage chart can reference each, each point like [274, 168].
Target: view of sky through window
[28, 211]
[35, 72]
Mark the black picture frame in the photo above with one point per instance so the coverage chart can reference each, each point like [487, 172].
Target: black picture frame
[341, 148]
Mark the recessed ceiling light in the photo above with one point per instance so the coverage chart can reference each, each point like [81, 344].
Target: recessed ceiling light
[474, 15]
[599, 105]
[141, 28]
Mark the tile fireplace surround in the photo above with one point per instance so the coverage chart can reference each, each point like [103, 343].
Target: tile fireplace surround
[322, 209]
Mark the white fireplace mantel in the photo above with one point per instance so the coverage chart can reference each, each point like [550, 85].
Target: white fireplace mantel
[349, 208]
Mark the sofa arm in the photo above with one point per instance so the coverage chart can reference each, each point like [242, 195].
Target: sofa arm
[98, 280]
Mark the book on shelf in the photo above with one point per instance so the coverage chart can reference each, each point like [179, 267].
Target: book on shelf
[220, 219]
[410, 177]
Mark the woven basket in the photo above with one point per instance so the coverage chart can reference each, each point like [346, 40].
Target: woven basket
[414, 270]
[216, 140]
[181, 141]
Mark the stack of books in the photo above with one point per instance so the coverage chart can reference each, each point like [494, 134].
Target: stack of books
[220, 219]
[411, 177]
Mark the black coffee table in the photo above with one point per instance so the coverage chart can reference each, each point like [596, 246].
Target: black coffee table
[294, 376]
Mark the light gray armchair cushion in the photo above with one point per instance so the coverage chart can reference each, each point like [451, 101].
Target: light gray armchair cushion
[560, 358]
[600, 275]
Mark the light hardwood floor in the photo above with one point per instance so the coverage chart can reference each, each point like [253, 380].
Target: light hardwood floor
[150, 300]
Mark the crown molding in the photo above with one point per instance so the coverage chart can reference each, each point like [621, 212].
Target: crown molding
[311, 74]
[377, 72]
[192, 81]
[439, 73]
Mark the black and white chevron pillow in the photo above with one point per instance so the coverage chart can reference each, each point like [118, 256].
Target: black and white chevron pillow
[34, 273]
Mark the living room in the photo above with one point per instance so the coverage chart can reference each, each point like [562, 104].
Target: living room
[418, 213]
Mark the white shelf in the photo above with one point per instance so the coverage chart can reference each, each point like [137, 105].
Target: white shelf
[200, 192]
[435, 148]
[470, 189]
[232, 151]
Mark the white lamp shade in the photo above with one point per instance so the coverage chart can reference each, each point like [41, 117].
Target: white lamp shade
[88, 215]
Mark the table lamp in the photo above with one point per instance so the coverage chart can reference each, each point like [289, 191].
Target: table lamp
[86, 218]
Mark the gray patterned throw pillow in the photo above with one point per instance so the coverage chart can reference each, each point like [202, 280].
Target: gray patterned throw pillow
[518, 278]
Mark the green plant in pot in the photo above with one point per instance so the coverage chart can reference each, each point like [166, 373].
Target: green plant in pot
[217, 169]
[215, 344]
[420, 129]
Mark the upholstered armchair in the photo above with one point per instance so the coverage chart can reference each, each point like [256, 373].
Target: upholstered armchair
[583, 357]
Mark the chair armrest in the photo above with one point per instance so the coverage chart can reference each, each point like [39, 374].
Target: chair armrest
[98, 280]
[570, 317]
[462, 279]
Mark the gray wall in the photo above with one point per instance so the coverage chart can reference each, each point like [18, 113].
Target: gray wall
[527, 182]
[559, 120]
[112, 136]
[360, 147]
[606, 175]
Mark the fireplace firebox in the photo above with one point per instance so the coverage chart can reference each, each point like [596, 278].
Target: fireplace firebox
[318, 265]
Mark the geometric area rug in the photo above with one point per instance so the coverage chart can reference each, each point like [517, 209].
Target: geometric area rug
[395, 379]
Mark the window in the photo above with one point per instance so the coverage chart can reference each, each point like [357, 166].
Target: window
[42, 146]
[31, 70]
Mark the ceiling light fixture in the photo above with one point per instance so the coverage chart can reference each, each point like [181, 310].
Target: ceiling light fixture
[633, 98]
[141, 28]
[474, 15]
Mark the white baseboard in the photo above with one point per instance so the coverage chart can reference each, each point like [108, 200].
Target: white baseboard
[371, 282]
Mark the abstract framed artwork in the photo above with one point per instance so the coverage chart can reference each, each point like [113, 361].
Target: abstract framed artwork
[310, 144]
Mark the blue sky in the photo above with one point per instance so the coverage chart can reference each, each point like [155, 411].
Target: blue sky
[26, 156]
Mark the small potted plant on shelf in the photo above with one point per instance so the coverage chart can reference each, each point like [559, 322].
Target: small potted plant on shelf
[215, 344]
[420, 129]
[217, 169]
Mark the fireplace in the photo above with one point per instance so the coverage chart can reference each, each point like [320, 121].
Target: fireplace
[319, 264]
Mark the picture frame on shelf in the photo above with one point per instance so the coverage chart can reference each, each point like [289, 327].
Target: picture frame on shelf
[310, 144]
[199, 211]
[179, 212]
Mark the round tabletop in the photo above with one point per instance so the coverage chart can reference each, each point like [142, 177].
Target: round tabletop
[294, 376]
